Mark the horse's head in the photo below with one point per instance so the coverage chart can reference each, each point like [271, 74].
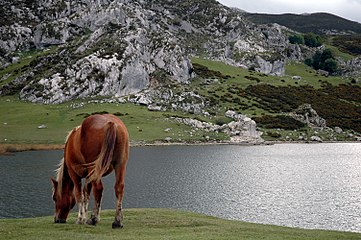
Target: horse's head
[64, 201]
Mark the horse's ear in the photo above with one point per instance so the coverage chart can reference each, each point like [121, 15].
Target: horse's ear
[54, 182]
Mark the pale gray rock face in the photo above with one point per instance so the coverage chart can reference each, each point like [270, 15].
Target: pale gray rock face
[241, 130]
[139, 50]
[140, 47]
[352, 68]
[306, 114]
[276, 68]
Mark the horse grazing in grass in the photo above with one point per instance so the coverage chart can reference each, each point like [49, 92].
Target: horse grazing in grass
[92, 150]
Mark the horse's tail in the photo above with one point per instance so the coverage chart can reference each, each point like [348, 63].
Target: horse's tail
[101, 165]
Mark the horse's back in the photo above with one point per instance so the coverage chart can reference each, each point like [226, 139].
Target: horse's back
[99, 122]
[93, 134]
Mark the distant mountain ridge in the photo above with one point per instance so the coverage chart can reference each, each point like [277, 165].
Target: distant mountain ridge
[320, 23]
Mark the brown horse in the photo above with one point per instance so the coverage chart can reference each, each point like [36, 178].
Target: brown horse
[92, 150]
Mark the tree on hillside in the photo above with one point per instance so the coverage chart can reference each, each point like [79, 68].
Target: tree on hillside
[312, 40]
[330, 65]
[323, 60]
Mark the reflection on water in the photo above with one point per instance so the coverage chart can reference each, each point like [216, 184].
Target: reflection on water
[299, 185]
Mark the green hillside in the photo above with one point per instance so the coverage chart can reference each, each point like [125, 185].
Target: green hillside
[259, 96]
[315, 22]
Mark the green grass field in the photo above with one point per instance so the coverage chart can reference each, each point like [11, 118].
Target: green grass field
[19, 122]
[158, 224]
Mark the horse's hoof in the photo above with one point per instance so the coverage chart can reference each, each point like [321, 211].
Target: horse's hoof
[59, 220]
[117, 225]
[80, 222]
[92, 221]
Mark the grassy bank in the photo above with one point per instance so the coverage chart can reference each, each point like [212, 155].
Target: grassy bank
[158, 224]
[11, 148]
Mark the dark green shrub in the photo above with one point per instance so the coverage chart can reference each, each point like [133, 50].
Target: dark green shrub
[296, 39]
[312, 40]
[274, 134]
[279, 121]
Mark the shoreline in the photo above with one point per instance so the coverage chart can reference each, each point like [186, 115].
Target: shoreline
[11, 148]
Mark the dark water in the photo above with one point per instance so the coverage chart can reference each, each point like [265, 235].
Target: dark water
[298, 185]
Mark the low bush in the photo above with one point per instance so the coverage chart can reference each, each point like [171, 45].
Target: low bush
[279, 121]
[336, 104]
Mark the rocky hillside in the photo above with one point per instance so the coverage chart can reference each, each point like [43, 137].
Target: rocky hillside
[202, 64]
[121, 47]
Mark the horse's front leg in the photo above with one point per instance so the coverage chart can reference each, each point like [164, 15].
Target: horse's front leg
[98, 194]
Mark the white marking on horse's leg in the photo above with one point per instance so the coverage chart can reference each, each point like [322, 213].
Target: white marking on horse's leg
[118, 215]
[80, 219]
[96, 212]
[83, 207]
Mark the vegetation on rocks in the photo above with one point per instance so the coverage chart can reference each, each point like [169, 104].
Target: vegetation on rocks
[348, 43]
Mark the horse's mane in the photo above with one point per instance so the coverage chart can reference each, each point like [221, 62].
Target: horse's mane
[60, 170]
[59, 174]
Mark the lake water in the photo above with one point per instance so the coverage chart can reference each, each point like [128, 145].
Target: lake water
[297, 185]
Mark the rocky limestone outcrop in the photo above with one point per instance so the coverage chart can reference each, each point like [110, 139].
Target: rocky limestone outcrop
[276, 68]
[110, 47]
[241, 130]
[162, 99]
[306, 114]
[352, 68]
[127, 46]
[264, 48]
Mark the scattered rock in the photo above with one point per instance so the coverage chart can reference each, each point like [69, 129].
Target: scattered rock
[316, 139]
[338, 130]
[43, 126]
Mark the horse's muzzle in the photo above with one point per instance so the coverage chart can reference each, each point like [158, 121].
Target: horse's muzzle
[59, 220]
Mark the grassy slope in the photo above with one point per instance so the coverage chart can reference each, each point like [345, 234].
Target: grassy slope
[309, 76]
[158, 224]
[19, 122]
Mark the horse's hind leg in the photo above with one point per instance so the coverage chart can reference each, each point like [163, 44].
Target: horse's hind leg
[98, 193]
[119, 193]
[82, 198]
[86, 194]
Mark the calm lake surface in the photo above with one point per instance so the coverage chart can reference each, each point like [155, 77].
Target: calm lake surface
[297, 185]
